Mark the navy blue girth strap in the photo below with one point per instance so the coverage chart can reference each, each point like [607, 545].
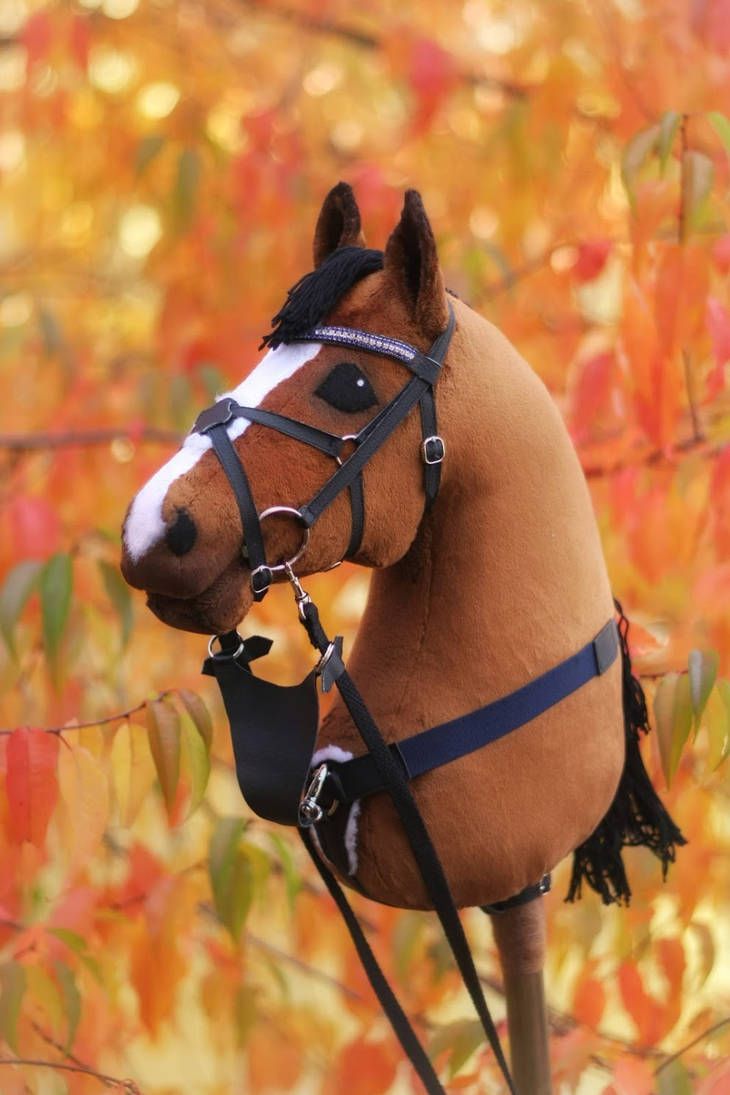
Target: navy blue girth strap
[347, 781]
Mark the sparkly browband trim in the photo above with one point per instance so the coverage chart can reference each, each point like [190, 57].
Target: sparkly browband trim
[360, 340]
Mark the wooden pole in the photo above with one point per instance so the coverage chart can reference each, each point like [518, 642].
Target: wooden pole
[520, 937]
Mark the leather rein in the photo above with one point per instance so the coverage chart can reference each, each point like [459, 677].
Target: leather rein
[274, 728]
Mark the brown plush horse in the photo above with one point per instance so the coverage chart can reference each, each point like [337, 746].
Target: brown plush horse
[477, 592]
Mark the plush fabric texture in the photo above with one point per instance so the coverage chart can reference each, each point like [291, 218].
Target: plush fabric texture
[502, 579]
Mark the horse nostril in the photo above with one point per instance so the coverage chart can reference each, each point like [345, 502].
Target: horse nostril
[181, 534]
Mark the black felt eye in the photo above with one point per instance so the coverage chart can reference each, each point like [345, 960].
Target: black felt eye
[347, 389]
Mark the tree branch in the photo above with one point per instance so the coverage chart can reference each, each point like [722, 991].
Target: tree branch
[353, 35]
[111, 1081]
[31, 442]
[120, 716]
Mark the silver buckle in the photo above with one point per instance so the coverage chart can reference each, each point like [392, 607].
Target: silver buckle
[440, 449]
[310, 812]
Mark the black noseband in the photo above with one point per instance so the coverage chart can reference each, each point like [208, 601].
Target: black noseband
[426, 369]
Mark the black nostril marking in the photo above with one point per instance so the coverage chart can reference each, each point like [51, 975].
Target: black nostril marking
[181, 534]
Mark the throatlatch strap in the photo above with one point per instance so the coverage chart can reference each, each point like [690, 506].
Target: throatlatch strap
[424, 853]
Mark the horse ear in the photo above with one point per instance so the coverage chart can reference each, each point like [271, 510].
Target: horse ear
[338, 224]
[412, 267]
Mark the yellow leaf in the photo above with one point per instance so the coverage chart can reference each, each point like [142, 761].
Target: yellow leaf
[199, 713]
[131, 770]
[83, 807]
[163, 724]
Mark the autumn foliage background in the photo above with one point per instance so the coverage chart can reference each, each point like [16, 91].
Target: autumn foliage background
[162, 165]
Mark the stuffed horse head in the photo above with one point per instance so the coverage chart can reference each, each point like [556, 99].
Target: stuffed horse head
[475, 592]
[390, 424]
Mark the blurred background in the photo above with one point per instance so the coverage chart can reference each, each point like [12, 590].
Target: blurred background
[162, 164]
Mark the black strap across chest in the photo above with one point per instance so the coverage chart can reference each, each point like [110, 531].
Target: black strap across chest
[426, 369]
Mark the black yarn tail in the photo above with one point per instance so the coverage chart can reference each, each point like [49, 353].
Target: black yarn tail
[636, 815]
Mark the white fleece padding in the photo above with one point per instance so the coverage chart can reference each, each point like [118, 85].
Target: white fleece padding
[334, 752]
[144, 526]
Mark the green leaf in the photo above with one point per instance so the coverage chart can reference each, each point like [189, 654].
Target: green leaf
[186, 186]
[80, 947]
[698, 171]
[71, 1000]
[119, 594]
[668, 127]
[636, 154]
[51, 333]
[716, 720]
[231, 875]
[163, 725]
[673, 717]
[292, 878]
[199, 713]
[56, 582]
[702, 673]
[17, 588]
[12, 989]
[721, 124]
[197, 761]
[674, 1080]
[461, 1039]
[147, 150]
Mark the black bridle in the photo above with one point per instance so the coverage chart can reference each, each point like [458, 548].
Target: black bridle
[426, 369]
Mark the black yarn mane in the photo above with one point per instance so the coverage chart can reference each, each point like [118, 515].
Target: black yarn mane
[636, 815]
[316, 294]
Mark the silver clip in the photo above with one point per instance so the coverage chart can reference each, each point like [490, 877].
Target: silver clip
[301, 596]
[310, 812]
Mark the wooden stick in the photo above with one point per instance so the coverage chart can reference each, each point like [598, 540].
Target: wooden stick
[520, 937]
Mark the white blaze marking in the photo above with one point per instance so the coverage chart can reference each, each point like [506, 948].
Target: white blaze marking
[145, 526]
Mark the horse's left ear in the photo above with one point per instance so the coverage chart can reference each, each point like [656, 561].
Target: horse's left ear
[338, 224]
[412, 267]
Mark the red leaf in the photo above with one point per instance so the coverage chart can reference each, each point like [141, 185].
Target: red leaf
[633, 1077]
[431, 75]
[591, 259]
[592, 394]
[721, 253]
[718, 324]
[35, 526]
[37, 36]
[80, 40]
[32, 785]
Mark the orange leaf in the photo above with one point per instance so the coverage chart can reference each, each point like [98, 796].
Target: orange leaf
[362, 1068]
[720, 505]
[274, 1060]
[671, 958]
[641, 1007]
[589, 1001]
[32, 784]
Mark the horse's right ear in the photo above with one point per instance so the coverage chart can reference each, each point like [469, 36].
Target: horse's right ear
[338, 224]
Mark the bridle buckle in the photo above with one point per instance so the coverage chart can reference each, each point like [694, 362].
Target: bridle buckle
[434, 449]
